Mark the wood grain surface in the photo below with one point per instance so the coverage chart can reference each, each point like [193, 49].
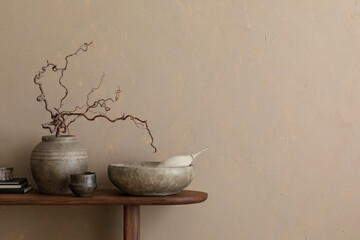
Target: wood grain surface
[132, 222]
[102, 197]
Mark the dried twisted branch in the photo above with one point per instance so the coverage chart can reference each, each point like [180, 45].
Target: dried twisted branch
[62, 119]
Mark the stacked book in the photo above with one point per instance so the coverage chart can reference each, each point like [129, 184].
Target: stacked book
[16, 185]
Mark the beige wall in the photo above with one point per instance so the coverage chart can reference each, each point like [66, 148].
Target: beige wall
[272, 86]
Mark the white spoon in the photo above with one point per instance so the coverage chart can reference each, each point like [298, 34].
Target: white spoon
[180, 161]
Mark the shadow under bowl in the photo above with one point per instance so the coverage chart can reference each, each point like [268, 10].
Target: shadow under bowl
[146, 179]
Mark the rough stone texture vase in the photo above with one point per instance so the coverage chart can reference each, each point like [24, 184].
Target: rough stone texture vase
[54, 159]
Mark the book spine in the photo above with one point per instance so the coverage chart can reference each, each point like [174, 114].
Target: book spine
[14, 181]
[16, 190]
[11, 186]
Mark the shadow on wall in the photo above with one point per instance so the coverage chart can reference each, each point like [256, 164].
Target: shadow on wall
[15, 151]
[50, 222]
[58, 222]
[61, 222]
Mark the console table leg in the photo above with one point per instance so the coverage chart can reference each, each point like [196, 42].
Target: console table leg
[132, 222]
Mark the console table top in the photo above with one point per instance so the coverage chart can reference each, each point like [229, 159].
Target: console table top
[102, 197]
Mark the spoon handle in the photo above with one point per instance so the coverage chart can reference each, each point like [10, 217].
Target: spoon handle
[193, 156]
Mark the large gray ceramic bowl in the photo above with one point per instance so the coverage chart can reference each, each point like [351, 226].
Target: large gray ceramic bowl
[146, 179]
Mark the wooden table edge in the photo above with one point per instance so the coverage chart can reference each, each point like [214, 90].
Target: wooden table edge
[103, 197]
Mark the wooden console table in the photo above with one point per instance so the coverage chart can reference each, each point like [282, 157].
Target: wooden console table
[107, 197]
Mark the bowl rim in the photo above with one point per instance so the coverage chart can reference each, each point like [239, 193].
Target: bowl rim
[138, 166]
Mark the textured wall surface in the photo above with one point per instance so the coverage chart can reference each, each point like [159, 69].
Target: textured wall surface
[272, 86]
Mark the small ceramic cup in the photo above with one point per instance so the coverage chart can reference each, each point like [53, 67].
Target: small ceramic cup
[83, 184]
[6, 173]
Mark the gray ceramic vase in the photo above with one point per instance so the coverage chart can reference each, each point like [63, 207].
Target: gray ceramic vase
[54, 159]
